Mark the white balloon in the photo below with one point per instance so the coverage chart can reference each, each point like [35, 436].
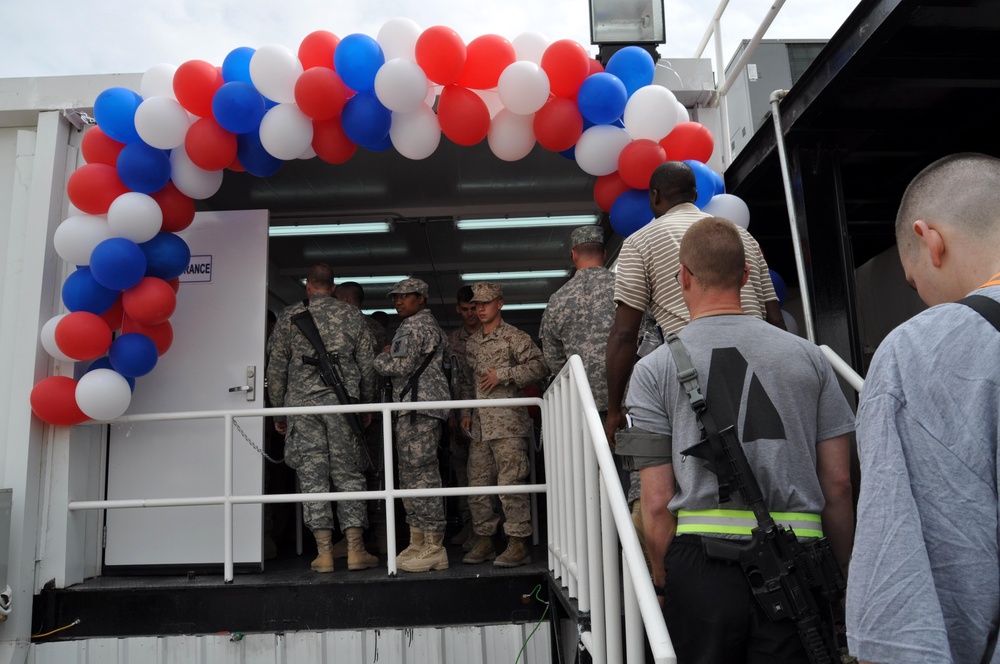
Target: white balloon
[135, 217]
[48, 339]
[76, 237]
[274, 69]
[190, 180]
[492, 100]
[682, 112]
[162, 122]
[433, 92]
[598, 149]
[511, 136]
[417, 134]
[651, 112]
[398, 38]
[286, 132]
[729, 207]
[103, 394]
[401, 85]
[790, 323]
[523, 87]
[530, 46]
[158, 81]
[308, 154]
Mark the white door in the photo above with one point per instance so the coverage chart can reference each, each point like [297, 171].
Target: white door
[219, 329]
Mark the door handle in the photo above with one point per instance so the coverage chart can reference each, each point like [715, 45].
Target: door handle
[250, 387]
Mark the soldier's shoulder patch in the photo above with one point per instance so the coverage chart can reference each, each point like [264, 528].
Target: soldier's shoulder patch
[400, 345]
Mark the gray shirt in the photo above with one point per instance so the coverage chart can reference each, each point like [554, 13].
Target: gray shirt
[781, 393]
[925, 575]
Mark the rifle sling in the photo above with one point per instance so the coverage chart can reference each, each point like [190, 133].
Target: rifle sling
[412, 386]
[307, 325]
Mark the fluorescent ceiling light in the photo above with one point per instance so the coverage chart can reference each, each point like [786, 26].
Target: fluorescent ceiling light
[368, 281]
[369, 312]
[330, 229]
[524, 274]
[524, 306]
[524, 222]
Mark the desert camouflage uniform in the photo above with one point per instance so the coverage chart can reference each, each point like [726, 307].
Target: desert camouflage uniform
[417, 435]
[458, 448]
[498, 452]
[321, 448]
[577, 321]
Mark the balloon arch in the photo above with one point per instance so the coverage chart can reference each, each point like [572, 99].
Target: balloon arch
[153, 154]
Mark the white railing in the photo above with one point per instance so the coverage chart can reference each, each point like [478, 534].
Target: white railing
[588, 517]
[228, 500]
[845, 370]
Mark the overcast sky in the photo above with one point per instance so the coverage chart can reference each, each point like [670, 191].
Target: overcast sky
[64, 37]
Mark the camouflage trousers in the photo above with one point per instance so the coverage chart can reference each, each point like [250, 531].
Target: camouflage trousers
[458, 450]
[501, 461]
[321, 448]
[416, 445]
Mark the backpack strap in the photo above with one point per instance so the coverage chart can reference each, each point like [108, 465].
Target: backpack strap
[986, 307]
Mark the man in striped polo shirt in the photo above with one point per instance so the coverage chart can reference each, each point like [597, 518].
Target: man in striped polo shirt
[646, 278]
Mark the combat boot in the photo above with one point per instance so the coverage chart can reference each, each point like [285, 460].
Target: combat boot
[340, 548]
[416, 544]
[357, 557]
[516, 554]
[464, 535]
[481, 551]
[431, 556]
[324, 561]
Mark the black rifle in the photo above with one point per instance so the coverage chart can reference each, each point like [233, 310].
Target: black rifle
[329, 372]
[791, 580]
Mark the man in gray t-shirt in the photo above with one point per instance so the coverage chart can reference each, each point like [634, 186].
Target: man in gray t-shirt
[793, 422]
[925, 573]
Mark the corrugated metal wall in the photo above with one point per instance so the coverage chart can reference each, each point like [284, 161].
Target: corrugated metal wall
[490, 644]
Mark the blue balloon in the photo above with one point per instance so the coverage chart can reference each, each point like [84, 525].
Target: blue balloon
[602, 98]
[631, 211]
[238, 107]
[143, 168]
[357, 59]
[236, 66]
[105, 363]
[634, 66]
[720, 183]
[81, 292]
[780, 289]
[117, 264]
[254, 158]
[380, 146]
[167, 256]
[704, 180]
[365, 120]
[133, 355]
[114, 110]
[569, 153]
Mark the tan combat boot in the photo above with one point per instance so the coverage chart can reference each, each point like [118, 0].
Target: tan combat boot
[481, 551]
[357, 556]
[432, 556]
[340, 548]
[416, 544]
[324, 561]
[464, 535]
[515, 555]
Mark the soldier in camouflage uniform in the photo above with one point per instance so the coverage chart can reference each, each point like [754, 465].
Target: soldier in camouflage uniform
[501, 361]
[414, 361]
[458, 449]
[321, 448]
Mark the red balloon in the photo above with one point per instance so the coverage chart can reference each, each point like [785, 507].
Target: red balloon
[83, 335]
[595, 67]
[149, 302]
[568, 65]
[331, 143]
[195, 83]
[113, 316]
[689, 140]
[463, 115]
[209, 145]
[607, 188]
[638, 160]
[178, 209]
[558, 124]
[99, 148]
[162, 334]
[236, 166]
[175, 283]
[53, 400]
[93, 188]
[320, 93]
[317, 49]
[441, 54]
[486, 58]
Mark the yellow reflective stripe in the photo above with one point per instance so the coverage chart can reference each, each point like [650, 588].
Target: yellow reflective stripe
[742, 522]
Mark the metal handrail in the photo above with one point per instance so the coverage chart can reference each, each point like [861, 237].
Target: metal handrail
[843, 369]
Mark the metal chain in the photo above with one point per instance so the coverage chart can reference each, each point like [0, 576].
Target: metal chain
[254, 445]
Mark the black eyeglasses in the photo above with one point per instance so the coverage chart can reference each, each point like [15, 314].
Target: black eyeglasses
[677, 274]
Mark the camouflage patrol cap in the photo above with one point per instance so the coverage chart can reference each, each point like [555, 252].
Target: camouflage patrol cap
[411, 285]
[586, 235]
[486, 291]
